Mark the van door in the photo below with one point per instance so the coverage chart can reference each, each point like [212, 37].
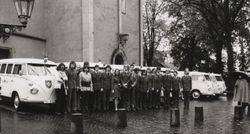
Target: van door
[8, 83]
[2, 78]
[19, 73]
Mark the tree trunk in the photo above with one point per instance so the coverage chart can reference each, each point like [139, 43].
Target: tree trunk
[219, 64]
[230, 57]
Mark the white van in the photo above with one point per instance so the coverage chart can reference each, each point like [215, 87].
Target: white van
[27, 81]
[219, 84]
[202, 84]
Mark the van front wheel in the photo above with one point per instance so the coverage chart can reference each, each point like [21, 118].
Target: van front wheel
[16, 102]
[196, 94]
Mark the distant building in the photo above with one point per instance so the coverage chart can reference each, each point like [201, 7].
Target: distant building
[80, 30]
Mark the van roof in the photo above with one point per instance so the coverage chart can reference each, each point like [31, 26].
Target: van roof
[27, 60]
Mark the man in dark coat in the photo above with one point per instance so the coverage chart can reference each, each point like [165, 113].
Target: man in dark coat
[137, 89]
[73, 98]
[167, 88]
[125, 81]
[157, 86]
[107, 85]
[97, 87]
[176, 89]
[186, 81]
[150, 88]
[143, 90]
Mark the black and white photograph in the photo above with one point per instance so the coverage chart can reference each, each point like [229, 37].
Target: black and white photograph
[124, 66]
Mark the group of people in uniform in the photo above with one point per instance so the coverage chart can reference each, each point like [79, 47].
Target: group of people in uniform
[83, 90]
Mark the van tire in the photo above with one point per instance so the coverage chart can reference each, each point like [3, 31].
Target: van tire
[16, 102]
[196, 94]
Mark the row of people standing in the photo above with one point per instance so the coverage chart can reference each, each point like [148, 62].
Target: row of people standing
[132, 88]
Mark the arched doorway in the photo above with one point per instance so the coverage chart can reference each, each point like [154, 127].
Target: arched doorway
[119, 59]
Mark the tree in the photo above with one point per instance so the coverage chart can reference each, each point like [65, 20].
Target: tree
[154, 28]
[189, 38]
[222, 18]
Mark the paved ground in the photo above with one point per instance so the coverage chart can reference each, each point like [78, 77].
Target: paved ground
[218, 119]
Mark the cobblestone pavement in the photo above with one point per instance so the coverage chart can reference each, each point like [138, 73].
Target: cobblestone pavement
[218, 119]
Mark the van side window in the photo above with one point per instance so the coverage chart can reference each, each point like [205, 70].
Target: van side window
[17, 69]
[3, 67]
[195, 77]
[9, 68]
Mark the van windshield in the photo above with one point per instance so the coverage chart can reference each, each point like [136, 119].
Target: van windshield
[39, 69]
[219, 78]
[207, 77]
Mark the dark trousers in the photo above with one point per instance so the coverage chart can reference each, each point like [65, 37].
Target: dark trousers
[143, 100]
[167, 98]
[137, 99]
[73, 100]
[158, 98]
[86, 100]
[106, 97]
[97, 100]
[244, 105]
[186, 96]
[132, 97]
[150, 99]
[125, 98]
[175, 98]
[154, 99]
[60, 100]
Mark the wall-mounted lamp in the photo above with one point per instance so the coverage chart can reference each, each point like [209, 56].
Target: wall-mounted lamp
[24, 10]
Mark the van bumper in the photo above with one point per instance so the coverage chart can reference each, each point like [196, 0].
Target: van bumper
[37, 101]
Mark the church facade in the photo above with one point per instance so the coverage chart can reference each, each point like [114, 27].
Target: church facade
[79, 30]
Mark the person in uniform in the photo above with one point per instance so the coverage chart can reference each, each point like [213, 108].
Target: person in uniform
[150, 88]
[116, 86]
[186, 81]
[132, 89]
[143, 90]
[158, 87]
[86, 87]
[73, 104]
[125, 79]
[97, 87]
[137, 89]
[107, 85]
[176, 89]
[167, 87]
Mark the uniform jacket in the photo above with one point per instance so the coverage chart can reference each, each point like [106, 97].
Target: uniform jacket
[150, 81]
[134, 80]
[97, 80]
[157, 82]
[176, 83]
[167, 82]
[143, 84]
[125, 78]
[73, 80]
[186, 82]
[107, 81]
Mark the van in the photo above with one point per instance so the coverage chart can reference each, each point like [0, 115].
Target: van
[27, 81]
[202, 84]
[219, 84]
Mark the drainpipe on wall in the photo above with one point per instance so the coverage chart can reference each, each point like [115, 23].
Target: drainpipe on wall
[87, 29]
[141, 58]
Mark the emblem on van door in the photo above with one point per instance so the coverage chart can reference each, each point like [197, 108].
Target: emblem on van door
[48, 83]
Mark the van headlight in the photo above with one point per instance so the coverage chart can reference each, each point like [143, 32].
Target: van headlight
[34, 91]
